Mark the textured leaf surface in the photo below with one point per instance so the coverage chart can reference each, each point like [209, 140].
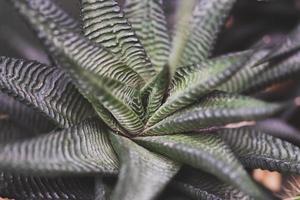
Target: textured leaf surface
[104, 23]
[204, 25]
[73, 48]
[149, 22]
[37, 188]
[206, 152]
[200, 185]
[47, 89]
[214, 110]
[143, 175]
[51, 12]
[260, 150]
[189, 85]
[80, 149]
[24, 116]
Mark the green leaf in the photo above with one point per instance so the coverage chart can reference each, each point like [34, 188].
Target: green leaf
[201, 33]
[154, 92]
[206, 152]
[123, 102]
[51, 12]
[82, 149]
[214, 110]
[200, 185]
[149, 22]
[192, 83]
[143, 175]
[46, 89]
[104, 23]
[36, 188]
[24, 116]
[74, 49]
[257, 149]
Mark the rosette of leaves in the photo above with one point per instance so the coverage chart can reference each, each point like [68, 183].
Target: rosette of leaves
[124, 99]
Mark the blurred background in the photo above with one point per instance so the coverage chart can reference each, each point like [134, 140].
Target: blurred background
[249, 22]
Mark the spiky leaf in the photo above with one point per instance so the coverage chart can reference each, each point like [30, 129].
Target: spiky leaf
[206, 152]
[214, 110]
[104, 23]
[149, 22]
[192, 83]
[260, 150]
[82, 149]
[201, 33]
[143, 175]
[45, 88]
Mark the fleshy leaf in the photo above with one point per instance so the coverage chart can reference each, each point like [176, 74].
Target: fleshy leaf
[52, 12]
[73, 48]
[257, 149]
[206, 152]
[36, 188]
[200, 185]
[143, 175]
[104, 23]
[45, 88]
[149, 22]
[189, 86]
[82, 149]
[204, 26]
[214, 110]
[24, 116]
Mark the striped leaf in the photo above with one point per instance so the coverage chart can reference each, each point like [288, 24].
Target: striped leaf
[82, 149]
[45, 88]
[123, 102]
[143, 175]
[214, 110]
[279, 129]
[154, 92]
[51, 12]
[189, 85]
[104, 23]
[206, 152]
[149, 22]
[73, 48]
[200, 185]
[24, 116]
[36, 188]
[257, 149]
[204, 26]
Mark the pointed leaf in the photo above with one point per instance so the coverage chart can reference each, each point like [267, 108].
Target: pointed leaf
[149, 22]
[214, 110]
[257, 149]
[104, 23]
[143, 174]
[206, 152]
[82, 149]
[73, 48]
[204, 26]
[36, 188]
[52, 12]
[45, 88]
[190, 86]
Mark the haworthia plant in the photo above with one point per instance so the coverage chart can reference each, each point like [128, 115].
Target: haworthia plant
[124, 105]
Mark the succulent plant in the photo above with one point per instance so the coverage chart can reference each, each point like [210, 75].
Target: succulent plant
[123, 107]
